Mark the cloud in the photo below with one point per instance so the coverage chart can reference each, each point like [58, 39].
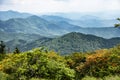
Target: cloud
[43, 6]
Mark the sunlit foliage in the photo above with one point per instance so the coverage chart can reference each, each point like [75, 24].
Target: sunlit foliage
[41, 64]
[101, 63]
[36, 64]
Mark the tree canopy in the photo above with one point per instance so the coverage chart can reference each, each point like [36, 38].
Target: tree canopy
[2, 47]
[118, 24]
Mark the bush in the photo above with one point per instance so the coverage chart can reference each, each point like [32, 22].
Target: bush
[4, 76]
[36, 64]
[116, 77]
[39, 64]
[100, 64]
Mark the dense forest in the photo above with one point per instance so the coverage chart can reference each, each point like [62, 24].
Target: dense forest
[66, 44]
[42, 64]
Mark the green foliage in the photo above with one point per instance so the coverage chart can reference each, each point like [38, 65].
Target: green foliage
[69, 43]
[75, 42]
[117, 25]
[41, 64]
[117, 77]
[100, 64]
[4, 76]
[16, 51]
[75, 59]
[36, 64]
[2, 47]
[2, 56]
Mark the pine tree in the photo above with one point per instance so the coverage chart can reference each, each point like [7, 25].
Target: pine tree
[2, 47]
[117, 25]
[17, 51]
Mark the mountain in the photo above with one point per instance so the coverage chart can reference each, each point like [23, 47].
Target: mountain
[84, 21]
[80, 19]
[4, 36]
[105, 32]
[94, 25]
[19, 43]
[40, 26]
[36, 25]
[100, 19]
[94, 22]
[62, 22]
[53, 18]
[5, 15]
[101, 15]
[12, 44]
[30, 25]
[50, 26]
[73, 42]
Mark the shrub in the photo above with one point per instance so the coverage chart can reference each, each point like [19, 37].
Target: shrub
[100, 65]
[36, 64]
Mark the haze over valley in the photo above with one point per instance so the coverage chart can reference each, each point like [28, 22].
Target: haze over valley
[24, 28]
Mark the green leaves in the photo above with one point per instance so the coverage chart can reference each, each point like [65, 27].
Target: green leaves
[117, 25]
[37, 63]
[48, 65]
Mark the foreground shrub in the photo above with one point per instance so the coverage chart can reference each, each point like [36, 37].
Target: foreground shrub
[40, 64]
[100, 64]
[110, 77]
[36, 64]
[4, 76]
[2, 56]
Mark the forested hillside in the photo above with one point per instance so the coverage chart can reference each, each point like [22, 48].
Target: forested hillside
[68, 43]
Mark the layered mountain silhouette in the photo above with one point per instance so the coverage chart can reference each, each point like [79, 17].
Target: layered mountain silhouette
[64, 35]
[34, 25]
[51, 28]
[5, 15]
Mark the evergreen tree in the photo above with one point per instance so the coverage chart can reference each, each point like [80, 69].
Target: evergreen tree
[117, 25]
[16, 51]
[2, 47]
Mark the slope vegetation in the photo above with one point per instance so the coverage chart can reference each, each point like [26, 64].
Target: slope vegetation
[74, 42]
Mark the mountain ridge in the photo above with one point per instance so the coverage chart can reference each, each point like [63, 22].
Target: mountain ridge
[37, 25]
[5, 15]
[73, 42]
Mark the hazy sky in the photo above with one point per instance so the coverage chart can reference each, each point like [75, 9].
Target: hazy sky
[44, 6]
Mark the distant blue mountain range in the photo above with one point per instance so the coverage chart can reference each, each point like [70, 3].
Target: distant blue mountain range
[5, 15]
[52, 25]
[27, 31]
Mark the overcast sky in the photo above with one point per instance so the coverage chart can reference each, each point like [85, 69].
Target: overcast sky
[44, 6]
